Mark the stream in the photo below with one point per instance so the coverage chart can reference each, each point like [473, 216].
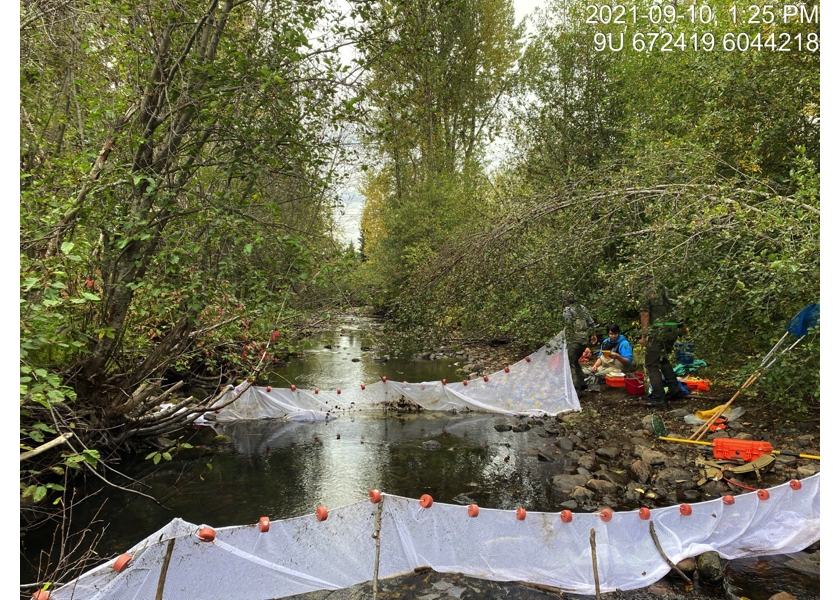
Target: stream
[236, 473]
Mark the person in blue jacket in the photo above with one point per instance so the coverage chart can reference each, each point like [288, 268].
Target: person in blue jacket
[616, 354]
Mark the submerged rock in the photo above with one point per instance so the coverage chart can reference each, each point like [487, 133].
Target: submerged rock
[709, 567]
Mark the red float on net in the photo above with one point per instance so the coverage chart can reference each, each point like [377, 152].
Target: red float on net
[729, 500]
[264, 524]
[293, 388]
[521, 513]
[795, 484]
[685, 509]
[321, 513]
[426, 500]
[465, 382]
[507, 369]
[384, 379]
[606, 515]
[763, 494]
[486, 378]
[338, 391]
[644, 513]
[443, 381]
[527, 359]
[375, 496]
[41, 595]
[268, 388]
[207, 534]
[316, 390]
[363, 386]
[566, 516]
[122, 561]
[472, 510]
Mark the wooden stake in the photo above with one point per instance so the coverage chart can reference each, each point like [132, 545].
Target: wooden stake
[704, 428]
[377, 527]
[594, 564]
[663, 555]
[164, 569]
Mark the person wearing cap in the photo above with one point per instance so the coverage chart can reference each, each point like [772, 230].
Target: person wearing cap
[579, 327]
[660, 330]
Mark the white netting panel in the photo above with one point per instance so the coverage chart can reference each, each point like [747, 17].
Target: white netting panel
[301, 554]
[541, 384]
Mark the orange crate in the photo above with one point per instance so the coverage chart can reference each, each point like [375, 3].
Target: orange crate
[615, 381]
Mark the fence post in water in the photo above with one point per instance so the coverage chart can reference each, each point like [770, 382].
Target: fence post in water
[377, 526]
[594, 564]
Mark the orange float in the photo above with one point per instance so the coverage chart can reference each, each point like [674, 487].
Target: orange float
[606, 515]
[321, 513]
[795, 484]
[375, 496]
[264, 524]
[566, 516]
[644, 513]
[527, 359]
[763, 495]
[207, 534]
[507, 369]
[729, 500]
[472, 510]
[426, 501]
[685, 510]
[41, 595]
[122, 562]
[521, 514]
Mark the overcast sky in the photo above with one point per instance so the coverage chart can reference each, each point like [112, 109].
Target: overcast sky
[349, 216]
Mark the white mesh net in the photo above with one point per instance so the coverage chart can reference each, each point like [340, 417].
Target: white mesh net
[303, 554]
[540, 384]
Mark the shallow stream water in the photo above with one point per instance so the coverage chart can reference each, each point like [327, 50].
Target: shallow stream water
[283, 470]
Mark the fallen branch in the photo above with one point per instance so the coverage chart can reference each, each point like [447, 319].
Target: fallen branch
[62, 439]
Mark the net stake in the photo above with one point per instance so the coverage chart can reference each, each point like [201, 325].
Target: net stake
[664, 556]
[595, 564]
[164, 569]
[377, 526]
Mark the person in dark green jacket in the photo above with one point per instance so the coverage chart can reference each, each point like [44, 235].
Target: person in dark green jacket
[578, 326]
[660, 330]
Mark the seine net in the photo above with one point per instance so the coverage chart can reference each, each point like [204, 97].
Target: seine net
[303, 554]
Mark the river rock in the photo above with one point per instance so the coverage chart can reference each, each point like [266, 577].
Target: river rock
[783, 595]
[686, 565]
[640, 472]
[709, 567]
[601, 486]
[808, 564]
[650, 457]
[745, 436]
[521, 428]
[582, 495]
[588, 462]
[430, 445]
[714, 489]
[676, 476]
[586, 472]
[785, 460]
[610, 452]
[805, 471]
[355, 360]
[570, 504]
[568, 482]
[502, 427]
[632, 495]
[463, 499]
[618, 479]
[565, 444]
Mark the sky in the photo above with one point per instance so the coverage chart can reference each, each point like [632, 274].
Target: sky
[348, 217]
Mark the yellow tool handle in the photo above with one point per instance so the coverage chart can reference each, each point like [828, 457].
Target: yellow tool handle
[685, 441]
[799, 455]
